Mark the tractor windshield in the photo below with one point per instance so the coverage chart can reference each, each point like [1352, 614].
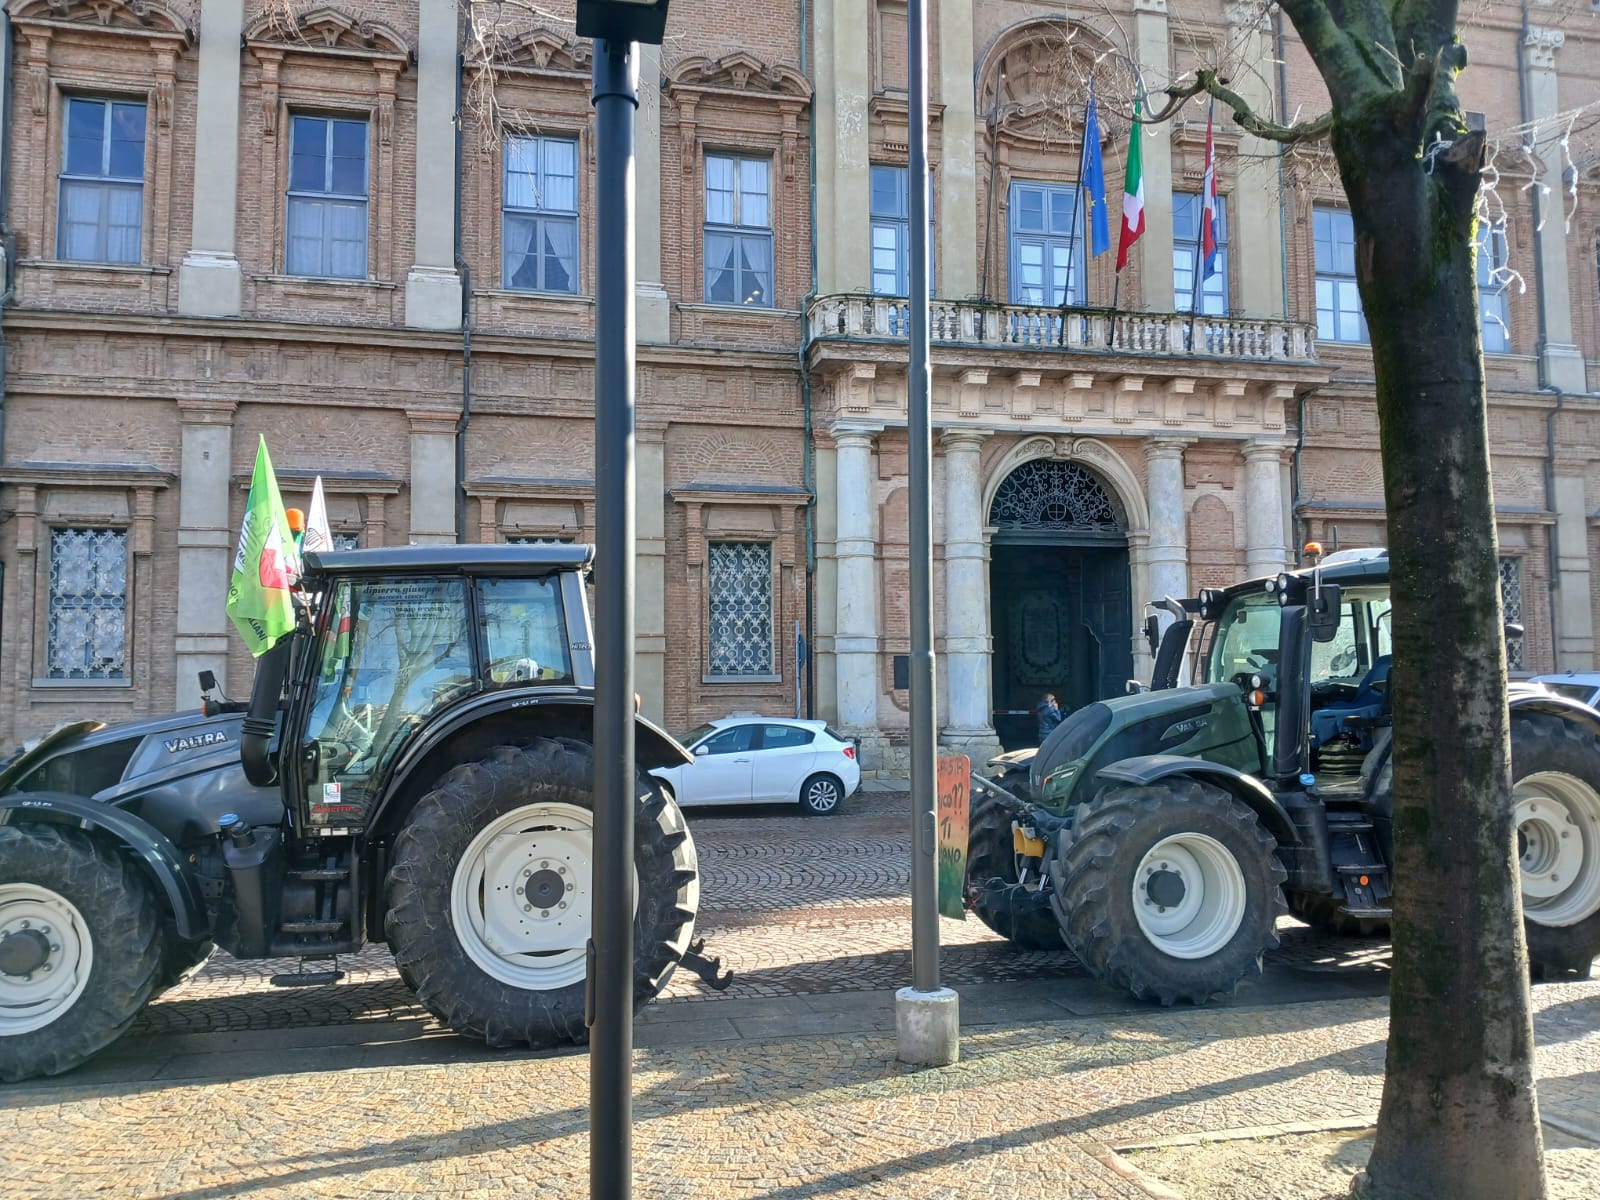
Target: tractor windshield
[1245, 644]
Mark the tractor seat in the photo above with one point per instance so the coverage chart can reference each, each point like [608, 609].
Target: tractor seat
[1369, 701]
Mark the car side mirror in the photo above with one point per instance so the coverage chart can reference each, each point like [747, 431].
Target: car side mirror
[1323, 609]
[700, 751]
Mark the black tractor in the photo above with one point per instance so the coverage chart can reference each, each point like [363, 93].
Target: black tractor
[414, 766]
[1160, 834]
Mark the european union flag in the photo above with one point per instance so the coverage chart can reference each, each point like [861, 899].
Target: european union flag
[1094, 182]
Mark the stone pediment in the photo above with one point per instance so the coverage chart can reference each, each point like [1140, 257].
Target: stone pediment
[543, 50]
[739, 72]
[330, 30]
[145, 17]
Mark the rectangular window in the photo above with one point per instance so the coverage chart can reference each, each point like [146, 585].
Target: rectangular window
[741, 609]
[101, 213]
[891, 233]
[327, 197]
[1494, 308]
[1339, 316]
[1046, 245]
[1186, 242]
[88, 622]
[346, 541]
[738, 231]
[1511, 603]
[539, 215]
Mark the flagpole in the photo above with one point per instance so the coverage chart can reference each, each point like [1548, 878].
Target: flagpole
[1200, 225]
[1077, 215]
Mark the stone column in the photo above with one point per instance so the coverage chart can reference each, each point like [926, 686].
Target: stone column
[206, 542]
[855, 639]
[1154, 248]
[433, 288]
[956, 214]
[1560, 361]
[433, 476]
[650, 570]
[209, 279]
[844, 85]
[1167, 552]
[1573, 617]
[1254, 217]
[652, 309]
[1265, 552]
[966, 632]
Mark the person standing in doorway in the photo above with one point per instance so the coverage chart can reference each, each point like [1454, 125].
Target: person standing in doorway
[1049, 713]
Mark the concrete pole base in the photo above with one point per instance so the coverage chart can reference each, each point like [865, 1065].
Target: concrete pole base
[927, 1027]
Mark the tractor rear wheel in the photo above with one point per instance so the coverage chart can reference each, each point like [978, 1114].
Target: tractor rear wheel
[1170, 889]
[80, 948]
[1555, 772]
[991, 854]
[490, 894]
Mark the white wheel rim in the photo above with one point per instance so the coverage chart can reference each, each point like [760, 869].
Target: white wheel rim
[822, 796]
[33, 1000]
[522, 898]
[1558, 847]
[1204, 918]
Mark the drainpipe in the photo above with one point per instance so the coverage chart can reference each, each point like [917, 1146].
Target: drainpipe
[807, 457]
[7, 237]
[465, 273]
[1294, 476]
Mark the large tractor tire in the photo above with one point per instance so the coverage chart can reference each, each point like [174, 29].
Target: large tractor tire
[80, 948]
[990, 854]
[1170, 890]
[182, 961]
[1555, 771]
[490, 894]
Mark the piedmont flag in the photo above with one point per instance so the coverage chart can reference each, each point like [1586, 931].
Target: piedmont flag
[1208, 208]
[1132, 192]
[1094, 181]
[265, 566]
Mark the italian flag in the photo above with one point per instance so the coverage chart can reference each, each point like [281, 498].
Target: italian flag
[1132, 192]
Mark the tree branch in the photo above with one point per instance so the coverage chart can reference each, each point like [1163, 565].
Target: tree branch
[1207, 80]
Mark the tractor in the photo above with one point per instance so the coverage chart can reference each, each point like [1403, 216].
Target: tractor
[413, 766]
[1159, 835]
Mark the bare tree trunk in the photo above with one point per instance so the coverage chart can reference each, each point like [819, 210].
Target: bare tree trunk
[1459, 1115]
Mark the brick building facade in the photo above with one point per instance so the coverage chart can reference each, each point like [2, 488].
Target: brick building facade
[225, 220]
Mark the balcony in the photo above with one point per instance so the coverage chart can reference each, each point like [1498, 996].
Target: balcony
[1099, 331]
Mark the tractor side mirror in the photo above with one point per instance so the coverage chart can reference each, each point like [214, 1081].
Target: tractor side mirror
[1324, 609]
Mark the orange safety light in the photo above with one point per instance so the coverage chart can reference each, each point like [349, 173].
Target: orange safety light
[1365, 879]
[297, 520]
[1313, 549]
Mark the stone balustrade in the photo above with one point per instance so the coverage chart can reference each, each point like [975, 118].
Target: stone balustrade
[1088, 330]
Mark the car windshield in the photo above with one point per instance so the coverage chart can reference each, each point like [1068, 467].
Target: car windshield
[695, 734]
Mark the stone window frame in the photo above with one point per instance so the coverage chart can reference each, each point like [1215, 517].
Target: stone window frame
[41, 29]
[291, 194]
[103, 182]
[578, 135]
[737, 230]
[357, 498]
[371, 57]
[714, 101]
[781, 528]
[1317, 275]
[496, 496]
[54, 530]
[50, 496]
[1191, 244]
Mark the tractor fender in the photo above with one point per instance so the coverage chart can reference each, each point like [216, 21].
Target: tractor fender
[1565, 707]
[572, 707]
[1151, 768]
[171, 872]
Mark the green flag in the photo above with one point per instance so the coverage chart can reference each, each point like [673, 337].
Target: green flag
[259, 598]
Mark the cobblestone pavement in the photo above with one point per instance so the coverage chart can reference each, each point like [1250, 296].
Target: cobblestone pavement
[782, 1088]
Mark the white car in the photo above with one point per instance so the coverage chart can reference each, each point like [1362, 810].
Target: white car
[1583, 686]
[765, 760]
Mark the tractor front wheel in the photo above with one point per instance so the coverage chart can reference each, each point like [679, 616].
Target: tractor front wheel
[1170, 889]
[1556, 794]
[491, 894]
[991, 854]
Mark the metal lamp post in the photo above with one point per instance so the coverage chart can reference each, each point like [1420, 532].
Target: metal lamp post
[617, 27]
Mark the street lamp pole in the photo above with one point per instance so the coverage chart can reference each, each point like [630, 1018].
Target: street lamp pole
[616, 99]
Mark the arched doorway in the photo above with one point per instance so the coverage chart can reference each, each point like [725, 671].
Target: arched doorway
[1059, 591]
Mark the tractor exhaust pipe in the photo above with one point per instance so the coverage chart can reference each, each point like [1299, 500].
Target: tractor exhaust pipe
[261, 718]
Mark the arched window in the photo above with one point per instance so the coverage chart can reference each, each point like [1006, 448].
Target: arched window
[1048, 496]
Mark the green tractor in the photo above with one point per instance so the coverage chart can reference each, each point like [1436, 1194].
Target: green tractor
[1160, 834]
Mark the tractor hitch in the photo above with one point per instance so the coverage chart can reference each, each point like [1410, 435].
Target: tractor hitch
[706, 968]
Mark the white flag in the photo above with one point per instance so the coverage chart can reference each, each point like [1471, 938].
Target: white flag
[317, 535]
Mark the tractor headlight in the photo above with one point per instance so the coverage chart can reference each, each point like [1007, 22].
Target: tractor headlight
[1062, 776]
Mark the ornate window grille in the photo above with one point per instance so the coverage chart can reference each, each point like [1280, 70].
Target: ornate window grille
[741, 609]
[1046, 495]
[1511, 602]
[346, 541]
[88, 626]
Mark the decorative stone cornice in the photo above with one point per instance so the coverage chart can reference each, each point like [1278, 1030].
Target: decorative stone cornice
[1158, 7]
[330, 31]
[1539, 46]
[854, 433]
[1166, 448]
[741, 74]
[135, 18]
